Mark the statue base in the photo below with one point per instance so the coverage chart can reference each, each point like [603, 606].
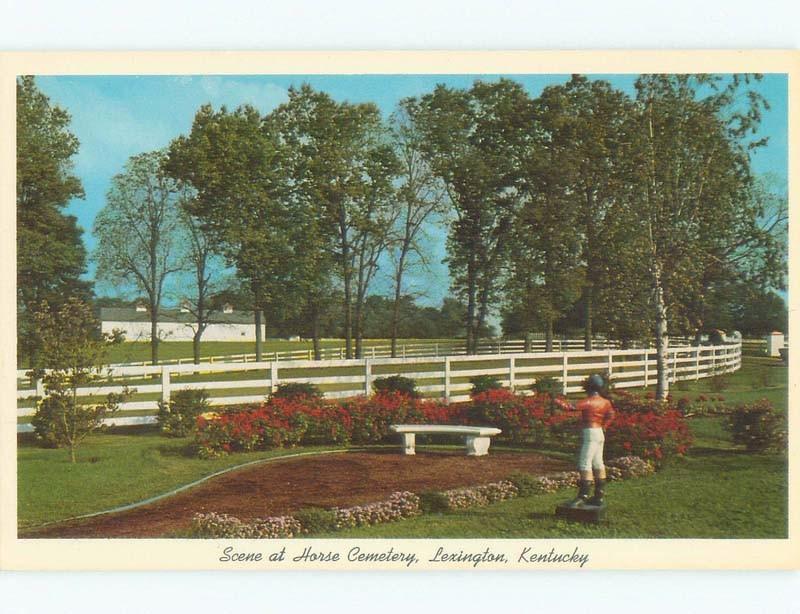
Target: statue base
[591, 514]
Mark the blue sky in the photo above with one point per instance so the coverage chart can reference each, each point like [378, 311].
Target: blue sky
[115, 117]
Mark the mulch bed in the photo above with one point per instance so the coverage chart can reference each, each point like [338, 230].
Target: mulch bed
[280, 487]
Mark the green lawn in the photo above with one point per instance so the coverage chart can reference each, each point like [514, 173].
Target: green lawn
[112, 470]
[139, 351]
[712, 494]
[717, 491]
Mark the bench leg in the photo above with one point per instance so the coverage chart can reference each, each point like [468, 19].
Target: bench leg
[409, 440]
[478, 446]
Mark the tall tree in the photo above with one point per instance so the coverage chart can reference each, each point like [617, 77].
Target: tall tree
[473, 140]
[420, 197]
[202, 265]
[341, 167]
[590, 118]
[50, 253]
[231, 162]
[138, 233]
[546, 272]
[693, 138]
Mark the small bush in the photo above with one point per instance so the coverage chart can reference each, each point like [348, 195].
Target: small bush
[547, 385]
[297, 390]
[757, 427]
[484, 383]
[396, 383]
[316, 520]
[719, 382]
[178, 417]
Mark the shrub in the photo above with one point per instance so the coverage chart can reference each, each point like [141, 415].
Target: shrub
[484, 383]
[757, 427]
[547, 385]
[72, 355]
[626, 402]
[399, 505]
[518, 417]
[295, 390]
[627, 467]
[178, 417]
[316, 520]
[396, 383]
[718, 382]
[214, 525]
[461, 498]
[651, 435]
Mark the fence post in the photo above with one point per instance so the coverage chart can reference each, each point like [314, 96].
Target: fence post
[610, 363]
[646, 359]
[39, 388]
[512, 367]
[367, 376]
[446, 379]
[674, 369]
[697, 352]
[273, 376]
[165, 384]
[436, 349]
[564, 371]
[404, 350]
[373, 351]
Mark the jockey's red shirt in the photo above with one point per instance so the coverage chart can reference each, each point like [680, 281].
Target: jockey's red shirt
[596, 411]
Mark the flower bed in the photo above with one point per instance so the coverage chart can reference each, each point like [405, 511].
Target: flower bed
[643, 426]
[405, 505]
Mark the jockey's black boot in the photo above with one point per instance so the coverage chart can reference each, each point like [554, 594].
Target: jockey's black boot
[584, 492]
[599, 492]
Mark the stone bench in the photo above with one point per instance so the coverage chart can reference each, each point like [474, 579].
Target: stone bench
[477, 438]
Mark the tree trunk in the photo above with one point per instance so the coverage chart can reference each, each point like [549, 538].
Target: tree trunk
[396, 307]
[471, 288]
[154, 336]
[72, 452]
[348, 319]
[258, 334]
[315, 337]
[358, 329]
[662, 345]
[587, 317]
[548, 335]
[196, 345]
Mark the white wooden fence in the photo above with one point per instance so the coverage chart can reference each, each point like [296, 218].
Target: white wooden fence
[404, 350]
[443, 377]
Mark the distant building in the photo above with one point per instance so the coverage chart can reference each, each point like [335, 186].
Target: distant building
[179, 324]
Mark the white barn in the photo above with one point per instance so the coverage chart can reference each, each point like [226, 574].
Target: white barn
[179, 324]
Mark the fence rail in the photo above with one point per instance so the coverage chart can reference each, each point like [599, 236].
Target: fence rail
[444, 377]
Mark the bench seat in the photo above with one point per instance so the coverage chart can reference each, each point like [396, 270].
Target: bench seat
[476, 438]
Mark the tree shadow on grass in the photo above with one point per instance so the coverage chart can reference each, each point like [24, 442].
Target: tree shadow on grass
[180, 452]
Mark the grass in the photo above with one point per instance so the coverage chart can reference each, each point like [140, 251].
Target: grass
[716, 491]
[112, 470]
[139, 351]
[716, 494]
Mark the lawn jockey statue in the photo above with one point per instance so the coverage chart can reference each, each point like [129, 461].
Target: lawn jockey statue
[596, 413]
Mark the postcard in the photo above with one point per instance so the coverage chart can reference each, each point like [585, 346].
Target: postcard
[399, 310]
